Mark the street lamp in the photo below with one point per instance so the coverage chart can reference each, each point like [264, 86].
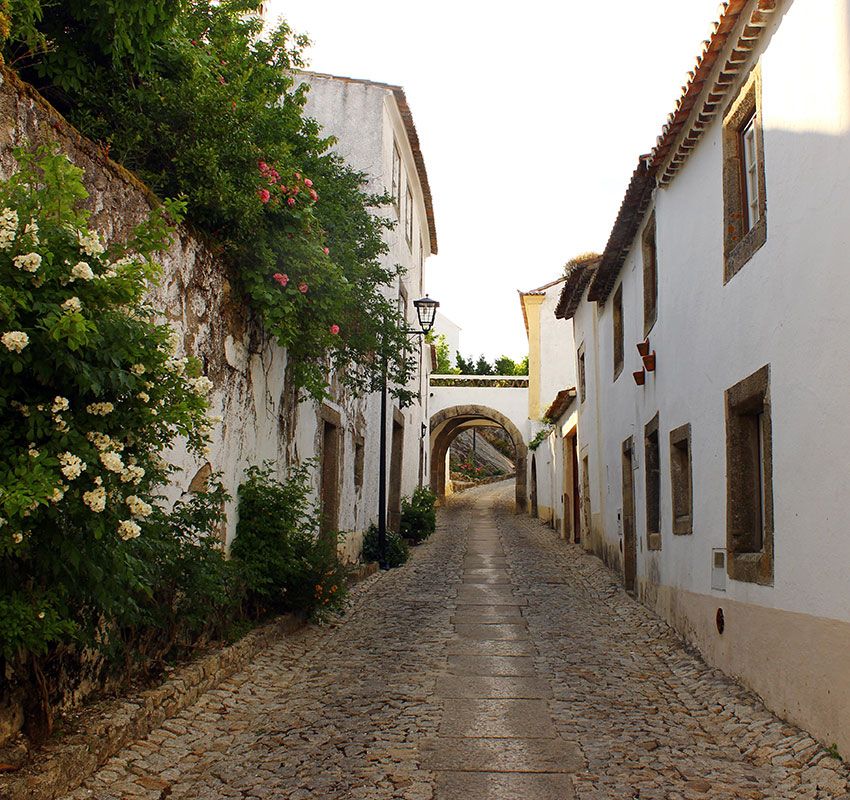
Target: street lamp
[426, 311]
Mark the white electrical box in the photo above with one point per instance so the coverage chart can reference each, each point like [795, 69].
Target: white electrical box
[718, 569]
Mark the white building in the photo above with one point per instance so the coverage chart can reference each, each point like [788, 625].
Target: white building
[443, 326]
[715, 467]
[375, 135]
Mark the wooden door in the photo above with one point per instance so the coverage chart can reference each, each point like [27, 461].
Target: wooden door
[629, 538]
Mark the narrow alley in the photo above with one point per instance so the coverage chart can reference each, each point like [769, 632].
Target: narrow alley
[499, 663]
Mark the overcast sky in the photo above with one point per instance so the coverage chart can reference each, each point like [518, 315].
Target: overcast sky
[531, 116]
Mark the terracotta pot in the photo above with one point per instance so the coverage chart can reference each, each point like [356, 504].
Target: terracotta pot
[643, 348]
[640, 377]
[649, 362]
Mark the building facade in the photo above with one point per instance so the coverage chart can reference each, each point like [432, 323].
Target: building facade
[375, 134]
[710, 350]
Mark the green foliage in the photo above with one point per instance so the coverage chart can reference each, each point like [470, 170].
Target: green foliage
[193, 98]
[441, 348]
[286, 564]
[833, 752]
[504, 365]
[418, 517]
[542, 435]
[398, 551]
[90, 394]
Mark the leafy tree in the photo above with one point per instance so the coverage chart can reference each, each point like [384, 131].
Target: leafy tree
[483, 366]
[194, 98]
[441, 347]
[464, 366]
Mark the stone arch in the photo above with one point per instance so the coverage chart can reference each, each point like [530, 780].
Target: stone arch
[445, 426]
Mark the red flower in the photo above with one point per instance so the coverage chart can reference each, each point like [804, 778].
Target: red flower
[298, 176]
[283, 189]
[334, 329]
[302, 287]
[314, 195]
[308, 182]
[262, 166]
[264, 195]
[281, 277]
[290, 201]
[325, 250]
[221, 80]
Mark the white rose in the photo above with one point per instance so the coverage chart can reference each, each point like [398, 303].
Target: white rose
[82, 271]
[30, 262]
[72, 305]
[15, 341]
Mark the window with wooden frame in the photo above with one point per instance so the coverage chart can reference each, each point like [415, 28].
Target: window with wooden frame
[650, 276]
[744, 192]
[359, 458]
[408, 217]
[652, 468]
[681, 481]
[617, 322]
[581, 374]
[395, 189]
[749, 480]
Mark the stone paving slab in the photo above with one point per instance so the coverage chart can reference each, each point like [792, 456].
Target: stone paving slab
[470, 594]
[493, 630]
[510, 666]
[502, 786]
[482, 686]
[528, 719]
[490, 647]
[502, 755]
[489, 614]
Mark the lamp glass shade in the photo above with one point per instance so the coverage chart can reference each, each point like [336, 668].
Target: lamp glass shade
[426, 310]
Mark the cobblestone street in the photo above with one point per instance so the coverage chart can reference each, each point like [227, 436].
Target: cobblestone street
[499, 663]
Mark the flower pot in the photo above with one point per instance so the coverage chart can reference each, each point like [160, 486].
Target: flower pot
[643, 348]
[640, 377]
[649, 362]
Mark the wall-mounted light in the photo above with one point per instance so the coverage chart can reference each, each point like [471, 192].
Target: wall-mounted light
[426, 310]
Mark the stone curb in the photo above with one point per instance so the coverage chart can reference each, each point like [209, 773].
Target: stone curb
[62, 765]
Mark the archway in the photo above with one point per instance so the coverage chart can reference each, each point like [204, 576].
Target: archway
[445, 426]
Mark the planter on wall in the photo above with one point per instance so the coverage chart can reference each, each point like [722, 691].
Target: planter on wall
[640, 377]
[643, 348]
[649, 362]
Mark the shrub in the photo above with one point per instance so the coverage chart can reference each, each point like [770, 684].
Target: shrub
[418, 517]
[285, 563]
[398, 550]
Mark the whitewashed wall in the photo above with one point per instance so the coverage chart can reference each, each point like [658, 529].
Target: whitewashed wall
[787, 308]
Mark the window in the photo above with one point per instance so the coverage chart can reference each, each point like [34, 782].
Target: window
[749, 480]
[408, 218]
[395, 189]
[359, 455]
[618, 331]
[750, 166]
[581, 374]
[680, 479]
[744, 197]
[652, 463]
[650, 276]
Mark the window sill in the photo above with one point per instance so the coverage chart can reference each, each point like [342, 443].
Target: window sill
[751, 567]
[653, 541]
[742, 252]
[683, 526]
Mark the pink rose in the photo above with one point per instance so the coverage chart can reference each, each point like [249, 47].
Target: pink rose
[283, 189]
[290, 201]
[302, 287]
[262, 166]
[308, 182]
[264, 195]
[325, 250]
[281, 277]
[334, 329]
[298, 176]
[314, 195]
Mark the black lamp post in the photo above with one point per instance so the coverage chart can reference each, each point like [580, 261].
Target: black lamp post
[426, 311]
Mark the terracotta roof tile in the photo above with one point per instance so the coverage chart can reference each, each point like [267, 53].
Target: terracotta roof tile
[577, 275]
[560, 404]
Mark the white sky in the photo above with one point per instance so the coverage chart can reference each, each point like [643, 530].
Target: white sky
[531, 116]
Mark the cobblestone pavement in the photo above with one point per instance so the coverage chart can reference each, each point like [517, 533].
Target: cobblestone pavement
[499, 663]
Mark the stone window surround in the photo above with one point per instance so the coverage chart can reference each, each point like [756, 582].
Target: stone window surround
[408, 217]
[649, 252]
[653, 537]
[395, 177]
[582, 373]
[747, 398]
[681, 478]
[740, 244]
[618, 332]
